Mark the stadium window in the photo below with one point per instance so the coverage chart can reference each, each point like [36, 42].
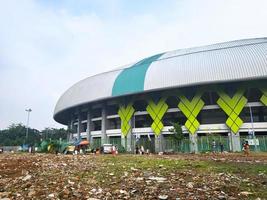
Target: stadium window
[213, 116]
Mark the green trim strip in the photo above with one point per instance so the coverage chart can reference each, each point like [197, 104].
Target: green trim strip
[126, 113]
[132, 79]
[191, 110]
[232, 107]
[157, 111]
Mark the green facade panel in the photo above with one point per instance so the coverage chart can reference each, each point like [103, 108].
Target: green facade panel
[191, 110]
[264, 96]
[232, 107]
[125, 113]
[157, 111]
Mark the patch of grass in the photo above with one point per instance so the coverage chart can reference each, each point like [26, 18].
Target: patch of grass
[111, 170]
[238, 168]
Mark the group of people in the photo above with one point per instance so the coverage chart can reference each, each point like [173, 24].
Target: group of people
[245, 148]
[214, 147]
[32, 149]
[141, 150]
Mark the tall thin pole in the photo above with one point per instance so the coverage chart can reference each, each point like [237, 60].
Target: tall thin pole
[252, 126]
[28, 119]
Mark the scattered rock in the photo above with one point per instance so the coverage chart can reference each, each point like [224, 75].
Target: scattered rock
[245, 193]
[27, 177]
[190, 185]
[163, 197]
[51, 195]
[158, 179]
[133, 191]
[124, 192]
[221, 197]
[31, 193]
[133, 169]
[4, 194]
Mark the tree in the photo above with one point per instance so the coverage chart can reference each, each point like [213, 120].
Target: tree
[177, 135]
[177, 132]
[15, 135]
[54, 134]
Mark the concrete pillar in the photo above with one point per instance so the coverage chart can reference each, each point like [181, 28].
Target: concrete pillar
[159, 143]
[193, 143]
[103, 125]
[71, 130]
[79, 126]
[89, 126]
[234, 140]
[126, 142]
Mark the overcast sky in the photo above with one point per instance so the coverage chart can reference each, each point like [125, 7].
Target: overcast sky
[46, 46]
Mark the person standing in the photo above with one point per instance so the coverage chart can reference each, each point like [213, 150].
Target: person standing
[221, 147]
[213, 144]
[113, 150]
[136, 149]
[142, 150]
[246, 148]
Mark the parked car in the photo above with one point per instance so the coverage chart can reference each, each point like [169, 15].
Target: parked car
[107, 148]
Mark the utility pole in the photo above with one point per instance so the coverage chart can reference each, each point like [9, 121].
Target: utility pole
[28, 119]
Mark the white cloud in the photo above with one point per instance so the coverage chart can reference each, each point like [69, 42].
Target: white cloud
[44, 51]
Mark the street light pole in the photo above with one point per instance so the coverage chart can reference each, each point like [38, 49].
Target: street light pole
[252, 126]
[28, 119]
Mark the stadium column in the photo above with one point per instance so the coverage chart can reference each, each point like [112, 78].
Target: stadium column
[127, 140]
[70, 130]
[193, 143]
[191, 109]
[79, 128]
[88, 127]
[234, 139]
[126, 113]
[104, 125]
[159, 143]
[156, 111]
[232, 106]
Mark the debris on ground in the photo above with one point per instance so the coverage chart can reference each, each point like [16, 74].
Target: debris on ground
[181, 176]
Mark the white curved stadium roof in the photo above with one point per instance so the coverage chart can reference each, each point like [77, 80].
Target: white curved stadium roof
[224, 62]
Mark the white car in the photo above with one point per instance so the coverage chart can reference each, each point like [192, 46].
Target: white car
[107, 148]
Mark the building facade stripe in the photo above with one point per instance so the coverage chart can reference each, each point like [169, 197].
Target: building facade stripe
[132, 79]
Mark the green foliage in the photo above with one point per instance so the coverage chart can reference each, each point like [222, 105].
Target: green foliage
[177, 132]
[15, 135]
[53, 146]
[121, 149]
[54, 134]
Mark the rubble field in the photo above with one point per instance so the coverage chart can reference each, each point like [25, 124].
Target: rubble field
[126, 176]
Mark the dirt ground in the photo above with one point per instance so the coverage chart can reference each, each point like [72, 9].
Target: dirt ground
[181, 176]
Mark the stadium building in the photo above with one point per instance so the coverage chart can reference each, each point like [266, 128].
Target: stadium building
[216, 91]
